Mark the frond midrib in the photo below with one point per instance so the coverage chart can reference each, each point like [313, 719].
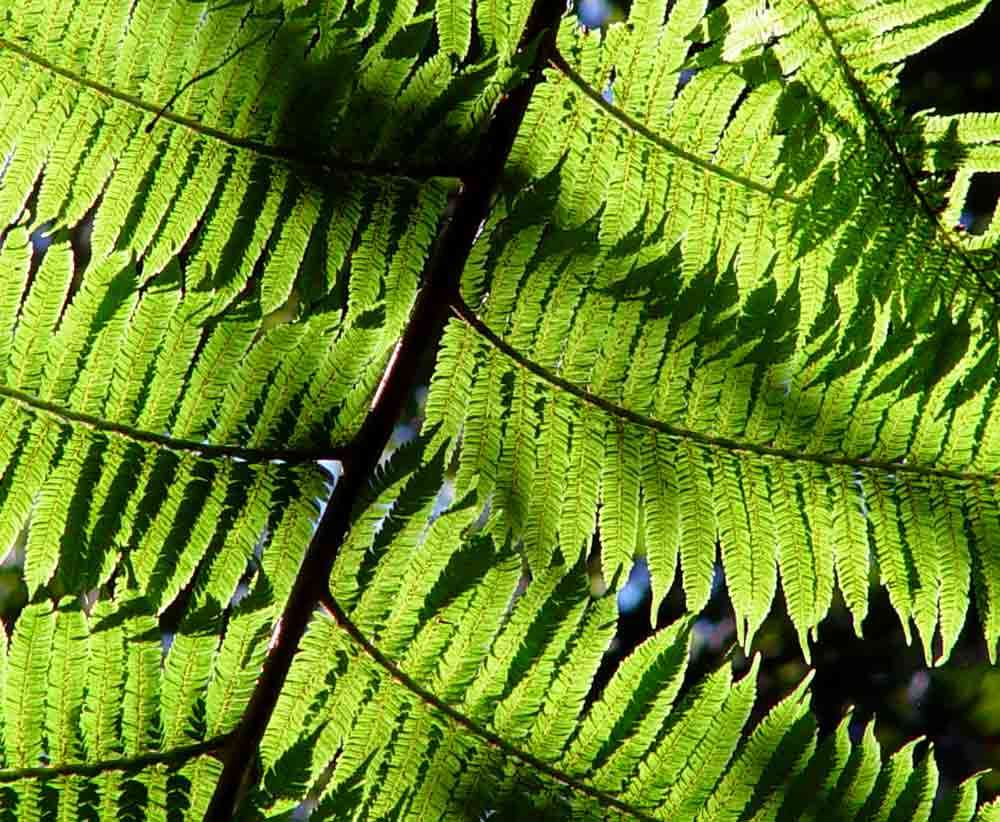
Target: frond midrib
[173, 756]
[491, 739]
[207, 450]
[325, 164]
[560, 63]
[468, 316]
[867, 108]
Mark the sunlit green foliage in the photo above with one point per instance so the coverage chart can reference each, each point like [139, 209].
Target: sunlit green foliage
[719, 301]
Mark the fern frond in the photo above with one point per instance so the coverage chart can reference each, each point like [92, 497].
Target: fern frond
[789, 352]
[513, 722]
[714, 307]
[83, 719]
[215, 201]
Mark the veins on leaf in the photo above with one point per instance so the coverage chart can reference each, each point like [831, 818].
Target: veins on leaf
[323, 165]
[193, 81]
[332, 608]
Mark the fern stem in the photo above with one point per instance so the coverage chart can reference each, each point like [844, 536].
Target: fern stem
[423, 332]
[204, 449]
[868, 109]
[559, 62]
[173, 756]
[331, 606]
[319, 164]
[467, 315]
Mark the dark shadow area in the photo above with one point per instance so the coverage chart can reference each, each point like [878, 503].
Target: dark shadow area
[528, 798]
[959, 73]
[981, 201]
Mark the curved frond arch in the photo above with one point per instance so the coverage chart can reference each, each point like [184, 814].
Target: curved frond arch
[781, 349]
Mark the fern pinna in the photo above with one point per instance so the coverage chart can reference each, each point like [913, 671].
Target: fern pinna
[690, 281]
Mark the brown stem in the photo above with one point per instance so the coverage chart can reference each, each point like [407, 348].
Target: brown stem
[468, 316]
[423, 333]
[434, 702]
[126, 764]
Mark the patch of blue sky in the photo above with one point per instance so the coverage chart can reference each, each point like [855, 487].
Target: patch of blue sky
[594, 13]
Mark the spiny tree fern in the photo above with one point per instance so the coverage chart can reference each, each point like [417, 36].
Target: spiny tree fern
[690, 281]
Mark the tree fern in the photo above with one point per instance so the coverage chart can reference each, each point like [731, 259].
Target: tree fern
[691, 288]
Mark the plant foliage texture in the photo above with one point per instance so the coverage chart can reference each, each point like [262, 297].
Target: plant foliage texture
[692, 289]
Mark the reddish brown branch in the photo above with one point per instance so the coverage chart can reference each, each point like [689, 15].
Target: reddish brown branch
[423, 333]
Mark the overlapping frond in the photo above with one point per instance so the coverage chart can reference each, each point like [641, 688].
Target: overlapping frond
[208, 254]
[223, 133]
[98, 723]
[109, 713]
[497, 25]
[720, 309]
[776, 345]
[211, 242]
[486, 702]
[110, 431]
